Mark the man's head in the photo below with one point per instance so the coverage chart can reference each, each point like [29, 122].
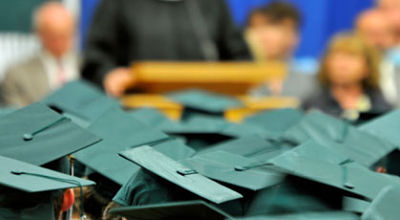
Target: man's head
[55, 27]
[376, 31]
[391, 8]
[276, 27]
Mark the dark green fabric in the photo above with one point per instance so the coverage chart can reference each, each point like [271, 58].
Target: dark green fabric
[60, 139]
[293, 195]
[308, 216]
[125, 134]
[197, 210]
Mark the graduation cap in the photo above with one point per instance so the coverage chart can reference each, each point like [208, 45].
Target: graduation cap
[81, 101]
[233, 169]
[385, 127]
[360, 146]
[38, 135]
[276, 121]
[5, 111]
[252, 146]
[198, 210]
[320, 164]
[154, 118]
[385, 205]
[173, 171]
[204, 101]
[28, 191]
[201, 124]
[307, 216]
[119, 132]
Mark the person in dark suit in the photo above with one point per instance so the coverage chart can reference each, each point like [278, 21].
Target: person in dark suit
[126, 31]
[349, 76]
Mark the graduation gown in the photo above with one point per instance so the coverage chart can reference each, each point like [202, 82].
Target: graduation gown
[126, 31]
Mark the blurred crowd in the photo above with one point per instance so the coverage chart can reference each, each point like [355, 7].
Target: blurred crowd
[358, 73]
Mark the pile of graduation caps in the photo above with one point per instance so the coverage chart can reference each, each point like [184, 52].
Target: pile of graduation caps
[281, 164]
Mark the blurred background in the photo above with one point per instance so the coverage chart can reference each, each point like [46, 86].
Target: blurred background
[321, 20]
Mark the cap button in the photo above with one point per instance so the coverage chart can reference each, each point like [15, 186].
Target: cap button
[27, 137]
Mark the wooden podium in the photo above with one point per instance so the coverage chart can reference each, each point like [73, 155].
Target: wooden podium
[225, 78]
[235, 79]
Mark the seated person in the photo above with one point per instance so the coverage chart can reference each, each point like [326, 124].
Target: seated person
[53, 66]
[375, 29]
[273, 35]
[349, 79]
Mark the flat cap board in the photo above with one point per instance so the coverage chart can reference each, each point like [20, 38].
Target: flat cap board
[30, 178]
[385, 205]
[252, 146]
[360, 146]
[386, 127]
[205, 101]
[308, 216]
[275, 121]
[213, 125]
[355, 205]
[80, 99]
[198, 210]
[234, 169]
[38, 135]
[120, 132]
[345, 175]
[169, 169]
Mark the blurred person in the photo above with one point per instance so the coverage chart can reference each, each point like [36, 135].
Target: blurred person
[53, 66]
[375, 29]
[273, 35]
[349, 76]
[391, 8]
[127, 31]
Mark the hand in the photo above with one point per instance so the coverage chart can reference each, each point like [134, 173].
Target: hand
[118, 81]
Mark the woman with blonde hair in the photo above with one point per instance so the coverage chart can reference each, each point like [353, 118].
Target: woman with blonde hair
[349, 77]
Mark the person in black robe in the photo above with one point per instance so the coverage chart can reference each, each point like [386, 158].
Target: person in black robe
[127, 31]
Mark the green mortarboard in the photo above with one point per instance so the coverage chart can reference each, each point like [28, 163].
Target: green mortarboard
[5, 111]
[293, 195]
[385, 127]
[204, 101]
[196, 210]
[249, 146]
[385, 205]
[120, 132]
[167, 168]
[360, 146]
[355, 205]
[308, 216]
[214, 125]
[28, 191]
[30, 178]
[38, 135]
[154, 118]
[318, 163]
[233, 169]
[81, 101]
[276, 121]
